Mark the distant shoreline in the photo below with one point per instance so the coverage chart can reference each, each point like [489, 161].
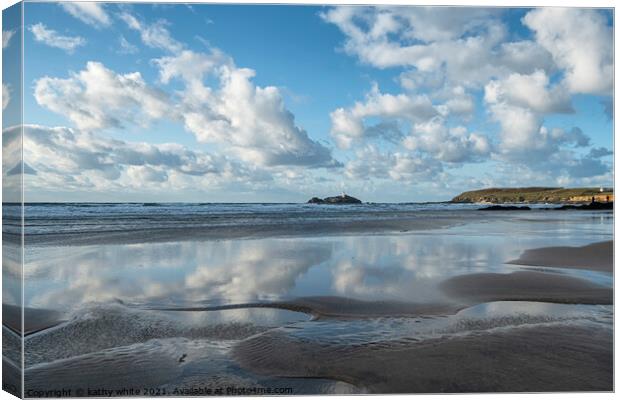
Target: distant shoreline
[520, 195]
[536, 195]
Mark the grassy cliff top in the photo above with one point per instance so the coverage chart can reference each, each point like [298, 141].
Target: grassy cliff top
[527, 194]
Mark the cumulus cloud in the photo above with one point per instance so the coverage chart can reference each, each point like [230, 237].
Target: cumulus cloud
[414, 126]
[153, 35]
[52, 38]
[90, 13]
[518, 103]
[600, 152]
[470, 45]
[581, 43]
[574, 168]
[457, 102]
[191, 66]
[251, 120]
[449, 55]
[348, 123]
[523, 136]
[371, 162]
[6, 38]
[523, 57]
[97, 98]
[529, 91]
[6, 95]
[452, 145]
[466, 43]
[77, 159]
[444, 57]
[219, 103]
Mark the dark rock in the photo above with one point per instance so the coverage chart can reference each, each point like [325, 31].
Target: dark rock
[342, 199]
[592, 206]
[316, 200]
[505, 208]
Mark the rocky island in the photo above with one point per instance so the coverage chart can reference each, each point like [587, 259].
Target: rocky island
[342, 199]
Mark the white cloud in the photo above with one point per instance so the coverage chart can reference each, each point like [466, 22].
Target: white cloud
[450, 53]
[6, 38]
[6, 95]
[467, 44]
[97, 98]
[371, 162]
[524, 57]
[518, 103]
[348, 124]
[416, 131]
[470, 45]
[457, 102]
[529, 91]
[126, 47]
[60, 157]
[250, 120]
[89, 13]
[414, 123]
[54, 39]
[191, 66]
[581, 43]
[523, 136]
[452, 145]
[155, 35]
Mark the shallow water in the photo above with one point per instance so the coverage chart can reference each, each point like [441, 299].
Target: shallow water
[403, 267]
[111, 297]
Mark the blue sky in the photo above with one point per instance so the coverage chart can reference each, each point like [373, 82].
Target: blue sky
[281, 103]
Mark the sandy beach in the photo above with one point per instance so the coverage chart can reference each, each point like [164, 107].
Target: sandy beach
[573, 358]
[527, 286]
[595, 256]
[391, 306]
[567, 359]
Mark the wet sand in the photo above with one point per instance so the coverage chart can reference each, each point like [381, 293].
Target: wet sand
[350, 345]
[11, 377]
[526, 286]
[341, 307]
[595, 256]
[537, 359]
[308, 228]
[559, 357]
[35, 319]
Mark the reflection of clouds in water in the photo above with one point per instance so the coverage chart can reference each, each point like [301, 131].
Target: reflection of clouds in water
[400, 267]
[531, 309]
[257, 272]
[408, 267]
[108, 257]
[257, 316]
[11, 260]
[350, 278]
[188, 272]
[11, 274]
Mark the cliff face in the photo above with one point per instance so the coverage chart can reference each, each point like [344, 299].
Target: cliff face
[534, 195]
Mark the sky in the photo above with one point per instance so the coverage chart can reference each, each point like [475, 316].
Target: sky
[263, 103]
